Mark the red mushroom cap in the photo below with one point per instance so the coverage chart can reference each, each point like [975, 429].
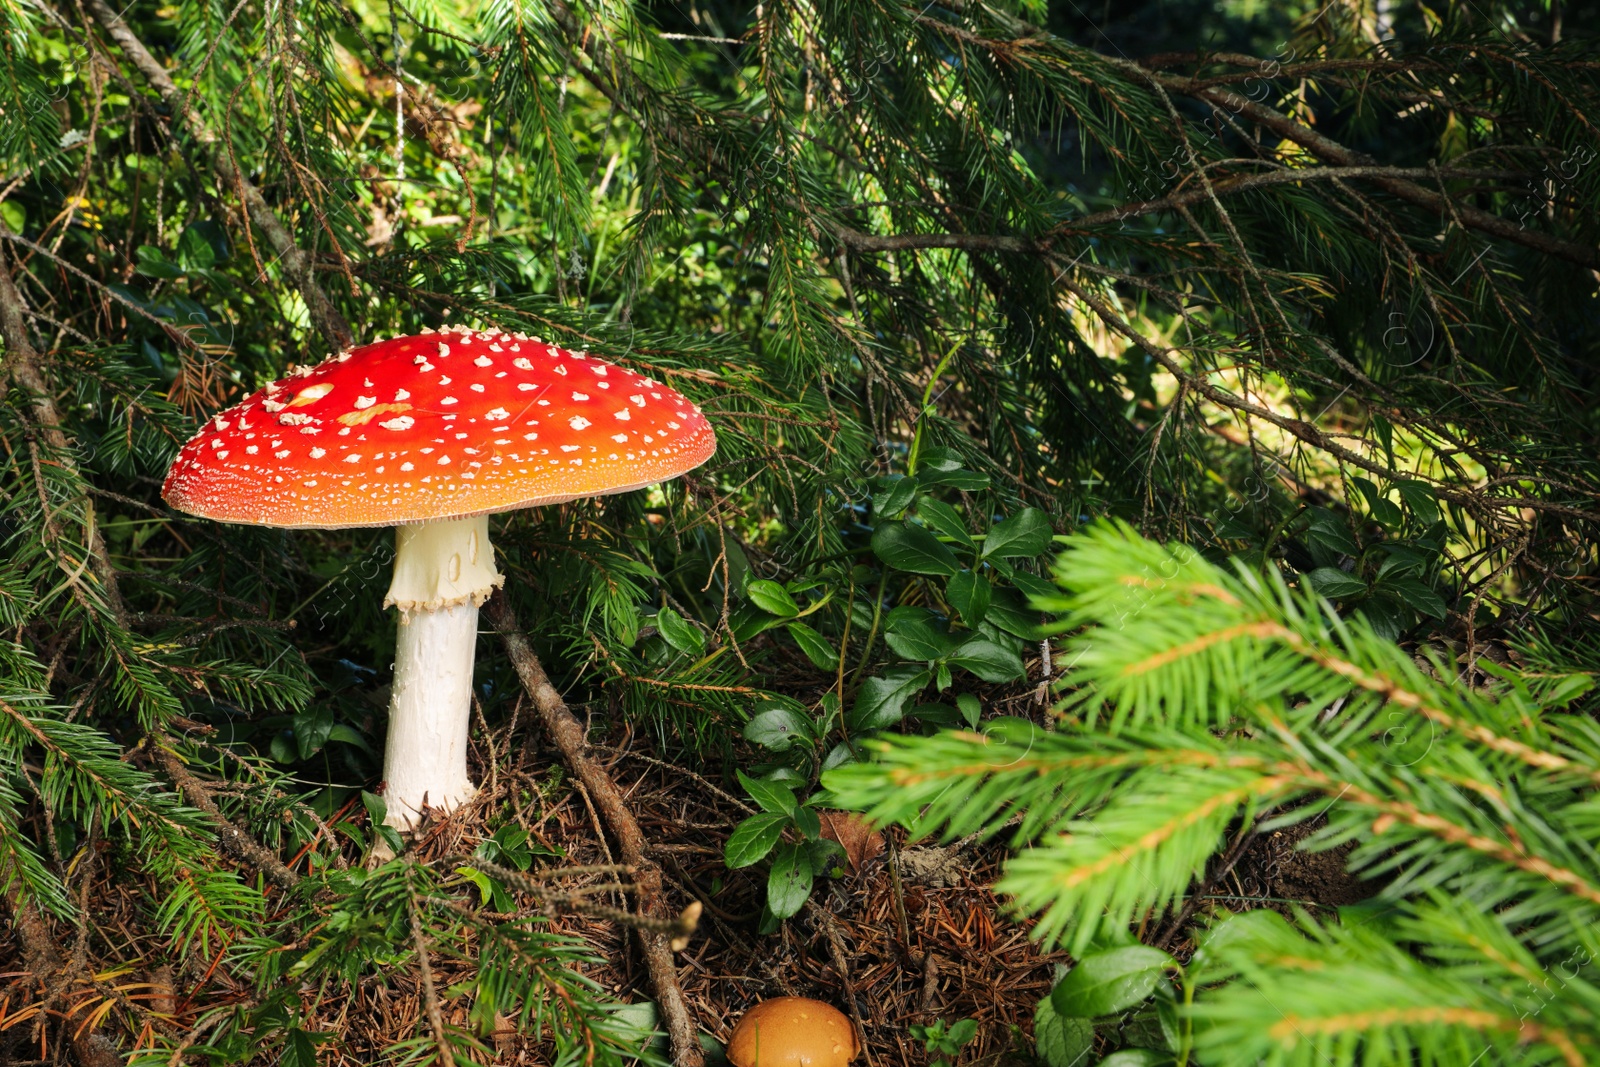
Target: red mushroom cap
[441, 425]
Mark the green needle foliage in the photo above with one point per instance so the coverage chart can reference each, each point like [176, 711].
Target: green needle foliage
[1204, 698]
[1310, 284]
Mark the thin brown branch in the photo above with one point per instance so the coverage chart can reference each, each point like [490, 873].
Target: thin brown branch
[568, 735]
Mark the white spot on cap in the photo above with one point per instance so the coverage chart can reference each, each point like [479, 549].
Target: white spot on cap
[251, 450]
[448, 400]
[623, 415]
[216, 442]
[526, 387]
[580, 396]
[476, 387]
[637, 398]
[560, 369]
[318, 453]
[273, 405]
[619, 438]
[399, 422]
[282, 453]
[223, 454]
[522, 363]
[672, 425]
[401, 394]
[444, 461]
[354, 457]
[406, 466]
[530, 437]
[364, 402]
[569, 448]
[544, 403]
[600, 369]
[497, 414]
[483, 361]
[444, 350]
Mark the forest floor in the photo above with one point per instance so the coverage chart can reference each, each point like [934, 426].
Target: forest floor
[933, 943]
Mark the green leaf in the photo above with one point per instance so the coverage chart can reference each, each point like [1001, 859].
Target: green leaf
[881, 701]
[969, 593]
[153, 263]
[789, 883]
[808, 822]
[946, 520]
[895, 499]
[377, 807]
[989, 659]
[1383, 509]
[1027, 533]
[484, 883]
[940, 460]
[770, 796]
[966, 481]
[297, 1049]
[915, 633]
[311, 729]
[753, 838]
[913, 549]
[1416, 594]
[777, 728]
[1061, 1040]
[818, 650]
[1139, 1057]
[1335, 584]
[1419, 497]
[679, 633]
[970, 709]
[771, 597]
[1110, 981]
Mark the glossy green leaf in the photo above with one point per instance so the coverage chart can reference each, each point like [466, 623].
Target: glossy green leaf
[969, 593]
[753, 838]
[1027, 533]
[913, 549]
[679, 633]
[817, 648]
[988, 659]
[1110, 981]
[946, 520]
[895, 499]
[771, 597]
[881, 701]
[789, 882]
[1335, 584]
[770, 796]
[916, 633]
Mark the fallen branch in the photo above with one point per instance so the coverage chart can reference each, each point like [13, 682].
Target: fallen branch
[232, 838]
[568, 735]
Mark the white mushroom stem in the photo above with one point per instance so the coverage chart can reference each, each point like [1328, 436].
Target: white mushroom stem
[442, 572]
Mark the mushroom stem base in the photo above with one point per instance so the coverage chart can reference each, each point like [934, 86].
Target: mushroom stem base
[425, 759]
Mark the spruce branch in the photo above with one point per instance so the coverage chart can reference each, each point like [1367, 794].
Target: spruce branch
[297, 264]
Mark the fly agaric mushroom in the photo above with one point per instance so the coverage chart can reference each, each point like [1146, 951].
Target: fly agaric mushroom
[792, 1032]
[432, 434]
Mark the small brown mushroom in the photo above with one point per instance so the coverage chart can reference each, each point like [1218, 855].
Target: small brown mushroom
[792, 1032]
